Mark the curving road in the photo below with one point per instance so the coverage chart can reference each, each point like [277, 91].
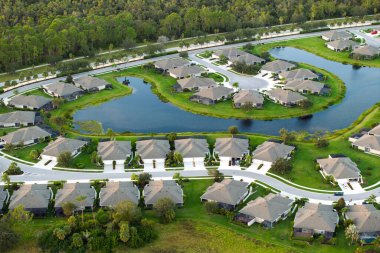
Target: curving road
[35, 175]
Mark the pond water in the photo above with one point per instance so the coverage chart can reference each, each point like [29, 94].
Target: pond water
[143, 112]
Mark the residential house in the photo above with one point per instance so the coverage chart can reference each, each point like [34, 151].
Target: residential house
[365, 53]
[227, 194]
[285, 97]
[231, 150]
[336, 35]
[26, 136]
[342, 45]
[17, 119]
[63, 90]
[249, 59]
[82, 195]
[298, 74]
[368, 143]
[35, 198]
[248, 97]
[269, 152]
[341, 168]
[62, 145]
[210, 96]
[153, 153]
[186, 71]
[235, 55]
[114, 152]
[305, 87]
[366, 218]
[116, 192]
[31, 102]
[267, 210]
[90, 83]
[172, 63]
[194, 83]
[159, 189]
[193, 152]
[315, 219]
[277, 66]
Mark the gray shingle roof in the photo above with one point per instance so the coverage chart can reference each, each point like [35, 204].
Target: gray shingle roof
[62, 89]
[248, 96]
[375, 130]
[214, 93]
[186, 71]
[31, 196]
[369, 141]
[156, 190]
[268, 208]
[248, 59]
[70, 193]
[3, 196]
[342, 44]
[299, 74]
[231, 147]
[114, 150]
[316, 216]
[336, 35]
[339, 167]
[196, 82]
[89, 82]
[367, 51]
[278, 66]
[230, 53]
[365, 217]
[25, 134]
[152, 149]
[17, 117]
[285, 96]
[29, 101]
[309, 85]
[62, 145]
[116, 192]
[271, 151]
[171, 63]
[190, 148]
[228, 192]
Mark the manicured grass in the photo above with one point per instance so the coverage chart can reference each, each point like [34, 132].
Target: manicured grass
[85, 160]
[316, 45]
[38, 92]
[23, 153]
[163, 87]
[216, 76]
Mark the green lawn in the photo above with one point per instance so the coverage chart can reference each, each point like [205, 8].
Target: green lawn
[23, 153]
[85, 160]
[38, 92]
[316, 45]
[162, 86]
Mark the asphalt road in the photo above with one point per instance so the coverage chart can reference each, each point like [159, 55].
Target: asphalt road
[32, 174]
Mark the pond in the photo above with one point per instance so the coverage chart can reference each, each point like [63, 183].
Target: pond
[143, 112]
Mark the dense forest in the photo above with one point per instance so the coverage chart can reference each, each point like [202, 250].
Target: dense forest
[35, 31]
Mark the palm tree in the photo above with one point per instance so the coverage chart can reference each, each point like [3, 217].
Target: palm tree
[110, 133]
[351, 233]
[371, 199]
[81, 199]
[6, 179]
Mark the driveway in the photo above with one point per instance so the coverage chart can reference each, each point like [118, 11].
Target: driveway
[245, 82]
[43, 164]
[370, 40]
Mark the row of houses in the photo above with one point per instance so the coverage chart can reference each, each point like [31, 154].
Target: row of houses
[36, 198]
[208, 92]
[311, 219]
[342, 41]
[58, 89]
[235, 55]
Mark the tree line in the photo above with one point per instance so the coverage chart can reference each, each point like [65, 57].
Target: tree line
[32, 32]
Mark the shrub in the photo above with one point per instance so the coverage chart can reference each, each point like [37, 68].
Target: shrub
[211, 207]
[165, 210]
